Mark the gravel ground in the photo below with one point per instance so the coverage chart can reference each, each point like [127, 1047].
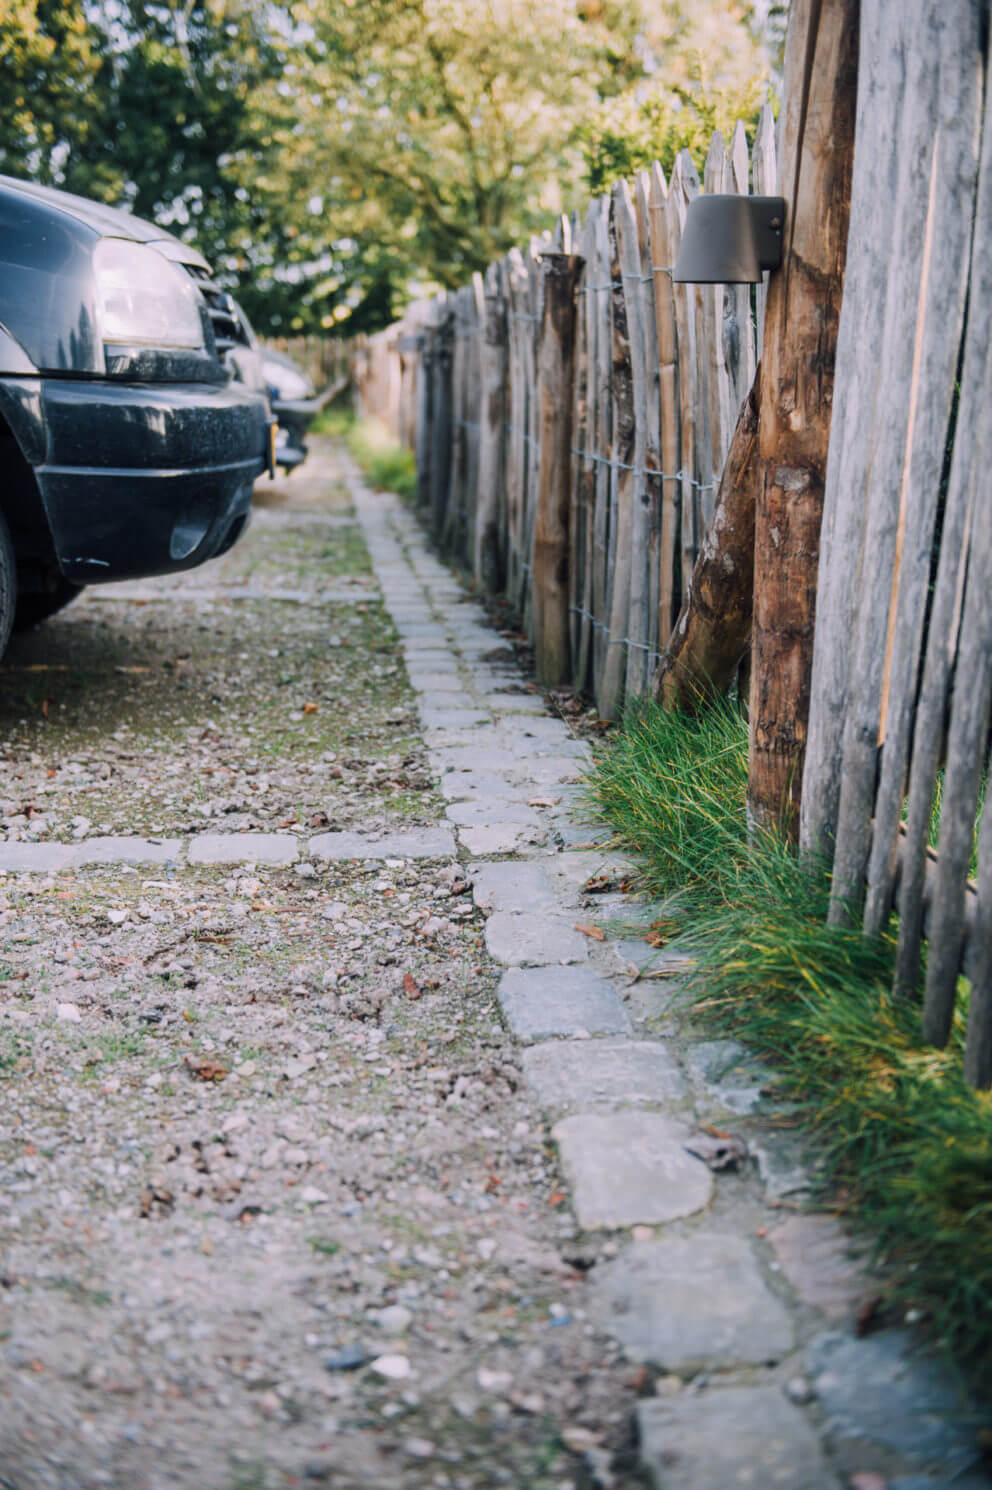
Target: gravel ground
[276, 1209]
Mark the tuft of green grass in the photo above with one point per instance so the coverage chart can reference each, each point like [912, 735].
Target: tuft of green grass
[673, 787]
[904, 1145]
[387, 465]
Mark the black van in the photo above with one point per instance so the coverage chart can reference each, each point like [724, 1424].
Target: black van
[133, 416]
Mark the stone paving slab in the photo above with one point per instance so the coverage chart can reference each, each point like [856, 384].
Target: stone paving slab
[542, 1002]
[580, 1074]
[533, 940]
[730, 1438]
[434, 717]
[883, 1389]
[244, 848]
[627, 1168]
[501, 838]
[464, 785]
[440, 682]
[47, 858]
[578, 865]
[475, 758]
[511, 886]
[411, 843]
[478, 812]
[691, 1303]
[817, 1256]
[514, 703]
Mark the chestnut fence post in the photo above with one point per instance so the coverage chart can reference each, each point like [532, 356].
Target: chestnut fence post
[556, 372]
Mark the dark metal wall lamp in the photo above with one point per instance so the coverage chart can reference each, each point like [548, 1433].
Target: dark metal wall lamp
[730, 240]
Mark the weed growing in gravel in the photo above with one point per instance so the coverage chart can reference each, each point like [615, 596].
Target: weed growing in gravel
[905, 1144]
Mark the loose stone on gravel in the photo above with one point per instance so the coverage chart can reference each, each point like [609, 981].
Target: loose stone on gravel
[627, 1168]
[690, 1304]
[542, 1002]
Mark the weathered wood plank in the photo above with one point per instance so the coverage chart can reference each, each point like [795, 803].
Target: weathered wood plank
[556, 371]
[882, 81]
[610, 698]
[943, 284]
[584, 470]
[652, 432]
[968, 734]
[718, 303]
[683, 187]
[600, 569]
[669, 586]
[639, 304]
[910, 421]
[738, 321]
[489, 548]
[764, 177]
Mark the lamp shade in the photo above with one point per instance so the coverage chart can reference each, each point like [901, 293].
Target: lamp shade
[730, 239]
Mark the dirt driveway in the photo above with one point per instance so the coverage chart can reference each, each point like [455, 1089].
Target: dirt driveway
[274, 1207]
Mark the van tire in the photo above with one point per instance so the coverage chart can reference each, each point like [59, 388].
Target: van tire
[8, 585]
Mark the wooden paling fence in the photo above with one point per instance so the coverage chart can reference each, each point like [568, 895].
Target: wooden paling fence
[902, 672]
[327, 360]
[571, 411]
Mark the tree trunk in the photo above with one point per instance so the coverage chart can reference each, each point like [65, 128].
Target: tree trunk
[556, 368]
[714, 625]
[800, 341]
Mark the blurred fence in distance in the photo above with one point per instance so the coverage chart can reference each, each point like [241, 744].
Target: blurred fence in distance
[327, 360]
[588, 518]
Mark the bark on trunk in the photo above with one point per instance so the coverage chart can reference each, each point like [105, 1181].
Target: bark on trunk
[714, 626]
[800, 343]
[556, 370]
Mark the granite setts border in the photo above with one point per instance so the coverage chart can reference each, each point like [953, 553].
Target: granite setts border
[704, 1299]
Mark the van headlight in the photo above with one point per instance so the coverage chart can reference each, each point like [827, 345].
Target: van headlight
[143, 299]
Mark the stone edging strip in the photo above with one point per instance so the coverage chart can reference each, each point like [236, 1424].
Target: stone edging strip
[703, 1297]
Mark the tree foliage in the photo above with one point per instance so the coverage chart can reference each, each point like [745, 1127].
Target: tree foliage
[333, 156]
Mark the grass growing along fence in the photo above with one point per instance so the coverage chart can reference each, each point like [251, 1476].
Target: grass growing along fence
[382, 460]
[905, 1144]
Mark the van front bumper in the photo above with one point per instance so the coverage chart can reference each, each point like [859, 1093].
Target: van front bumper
[142, 479]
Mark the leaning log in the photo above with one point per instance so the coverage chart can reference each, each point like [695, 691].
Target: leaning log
[712, 632]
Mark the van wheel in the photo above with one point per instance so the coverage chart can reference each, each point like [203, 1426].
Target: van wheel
[8, 585]
[33, 607]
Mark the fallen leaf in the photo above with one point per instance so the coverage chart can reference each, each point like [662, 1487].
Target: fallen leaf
[205, 1070]
[596, 932]
[543, 801]
[601, 883]
[311, 708]
[556, 1197]
[410, 986]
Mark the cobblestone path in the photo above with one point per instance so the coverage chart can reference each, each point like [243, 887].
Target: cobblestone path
[344, 1110]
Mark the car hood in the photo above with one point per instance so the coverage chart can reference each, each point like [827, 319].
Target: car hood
[110, 222]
